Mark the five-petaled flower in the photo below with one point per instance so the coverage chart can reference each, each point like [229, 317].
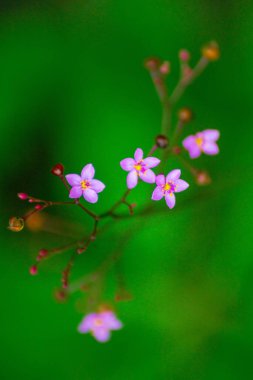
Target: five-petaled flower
[139, 167]
[100, 325]
[166, 187]
[204, 141]
[85, 185]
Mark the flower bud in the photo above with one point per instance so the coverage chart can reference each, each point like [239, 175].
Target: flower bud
[60, 295]
[203, 178]
[57, 170]
[152, 63]
[33, 270]
[185, 115]
[41, 254]
[184, 55]
[176, 150]
[16, 224]
[165, 68]
[162, 141]
[38, 207]
[211, 51]
[23, 196]
[80, 250]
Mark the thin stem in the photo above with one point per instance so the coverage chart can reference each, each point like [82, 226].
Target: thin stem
[185, 82]
[117, 204]
[94, 216]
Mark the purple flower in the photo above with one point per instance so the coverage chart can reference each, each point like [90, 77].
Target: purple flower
[202, 142]
[166, 187]
[139, 167]
[85, 185]
[100, 325]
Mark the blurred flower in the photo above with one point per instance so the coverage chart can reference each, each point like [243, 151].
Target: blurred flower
[202, 142]
[16, 224]
[166, 187]
[139, 167]
[100, 325]
[85, 185]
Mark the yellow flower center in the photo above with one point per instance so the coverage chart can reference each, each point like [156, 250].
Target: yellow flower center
[199, 141]
[98, 322]
[166, 187]
[137, 167]
[85, 185]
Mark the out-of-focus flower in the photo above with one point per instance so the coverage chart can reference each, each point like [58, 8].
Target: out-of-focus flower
[100, 325]
[85, 185]
[16, 224]
[202, 142]
[166, 187]
[139, 167]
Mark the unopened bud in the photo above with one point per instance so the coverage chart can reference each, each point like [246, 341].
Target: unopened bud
[80, 250]
[185, 115]
[152, 63]
[16, 224]
[23, 196]
[211, 51]
[33, 270]
[203, 178]
[165, 68]
[162, 141]
[176, 150]
[60, 295]
[184, 55]
[57, 170]
[41, 254]
[38, 207]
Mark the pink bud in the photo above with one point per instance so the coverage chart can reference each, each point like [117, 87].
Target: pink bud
[165, 68]
[23, 196]
[31, 201]
[43, 252]
[184, 55]
[33, 270]
[38, 207]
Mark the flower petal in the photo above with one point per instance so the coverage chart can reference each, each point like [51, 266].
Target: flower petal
[188, 142]
[111, 321]
[181, 185]
[97, 185]
[86, 323]
[173, 175]
[160, 180]
[211, 134]
[88, 172]
[132, 179]
[170, 200]
[75, 192]
[157, 194]
[210, 148]
[90, 195]
[73, 179]
[101, 334]
[194, 151]
[151, 162]
[127, 164]
[148, 176]
[138, 155]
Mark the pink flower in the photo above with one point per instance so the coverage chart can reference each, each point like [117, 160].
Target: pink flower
[100, 325]
[139, 167]
[166, 187]
[85, 185]
[202, 142]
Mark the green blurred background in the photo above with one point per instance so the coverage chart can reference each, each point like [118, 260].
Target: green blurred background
[73, 89]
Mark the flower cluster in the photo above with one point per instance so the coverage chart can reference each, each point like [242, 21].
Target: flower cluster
[84, 187]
